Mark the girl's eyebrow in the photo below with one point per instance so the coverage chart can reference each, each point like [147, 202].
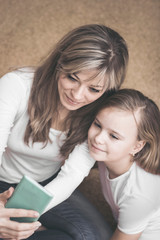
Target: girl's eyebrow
[118, 134]
[97, 86]
[96, 119]
[76, 76]
[113, 131]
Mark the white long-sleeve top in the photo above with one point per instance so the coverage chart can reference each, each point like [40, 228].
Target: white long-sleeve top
[18, 159]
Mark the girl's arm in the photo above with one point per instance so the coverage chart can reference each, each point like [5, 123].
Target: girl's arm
[118, 235]
[11, 229]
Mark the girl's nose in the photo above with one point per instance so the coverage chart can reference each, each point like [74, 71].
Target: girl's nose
[99, 138]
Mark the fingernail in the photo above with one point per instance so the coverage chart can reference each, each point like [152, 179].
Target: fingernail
[38, 225]
[36, 214]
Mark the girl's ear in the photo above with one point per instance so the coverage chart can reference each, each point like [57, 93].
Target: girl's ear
[138, 147]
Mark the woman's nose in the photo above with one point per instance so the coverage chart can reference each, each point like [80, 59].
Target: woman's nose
[78, 93]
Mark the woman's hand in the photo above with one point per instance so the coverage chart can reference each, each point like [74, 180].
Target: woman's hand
[11, 229]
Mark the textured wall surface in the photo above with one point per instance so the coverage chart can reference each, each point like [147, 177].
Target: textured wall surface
[30, 28]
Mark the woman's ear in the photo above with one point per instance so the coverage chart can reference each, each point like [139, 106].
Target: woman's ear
[138, 147]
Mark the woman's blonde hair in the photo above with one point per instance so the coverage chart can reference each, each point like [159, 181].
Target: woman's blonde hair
[86, 47]
[148, 125]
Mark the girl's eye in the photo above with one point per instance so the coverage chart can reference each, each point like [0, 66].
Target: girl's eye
[94, 90]
[97, 124]
[113, 136]
[72, 78]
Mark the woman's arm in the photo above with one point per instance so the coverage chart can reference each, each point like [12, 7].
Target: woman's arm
[11, 229]
[12, 92]
[74, 170]
[118, 235]
[11, 95]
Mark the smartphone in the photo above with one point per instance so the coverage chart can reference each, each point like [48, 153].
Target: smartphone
[30, 195]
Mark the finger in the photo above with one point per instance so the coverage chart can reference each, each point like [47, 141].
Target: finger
[17, 236]
[5, 195]
[12, 212]
[16, 226]
[7, 238]
[17, 233]
[41, 228]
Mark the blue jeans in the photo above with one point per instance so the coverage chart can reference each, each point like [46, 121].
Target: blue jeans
[74, 219]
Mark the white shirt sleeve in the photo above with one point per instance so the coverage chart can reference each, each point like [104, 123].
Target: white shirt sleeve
[11, 93]
[72, 173]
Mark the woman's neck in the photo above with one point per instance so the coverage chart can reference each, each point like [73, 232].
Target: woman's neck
[59, 121]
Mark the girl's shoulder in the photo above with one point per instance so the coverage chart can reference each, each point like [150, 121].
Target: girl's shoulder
[143, 185]
[139, 201]
[136, 182]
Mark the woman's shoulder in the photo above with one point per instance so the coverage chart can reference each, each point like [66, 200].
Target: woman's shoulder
[21, 75]
[15, 86]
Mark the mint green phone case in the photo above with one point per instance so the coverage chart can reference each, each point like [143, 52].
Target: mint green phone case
[29, 195]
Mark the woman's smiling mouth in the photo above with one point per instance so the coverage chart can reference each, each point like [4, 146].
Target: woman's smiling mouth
[69, 100]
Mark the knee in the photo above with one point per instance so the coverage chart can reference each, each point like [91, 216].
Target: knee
[90, 232]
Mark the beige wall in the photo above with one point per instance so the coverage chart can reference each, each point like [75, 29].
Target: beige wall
[29, 29]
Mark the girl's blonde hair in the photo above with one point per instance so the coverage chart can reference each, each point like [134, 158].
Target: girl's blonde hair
[86, 47]
[148, 125]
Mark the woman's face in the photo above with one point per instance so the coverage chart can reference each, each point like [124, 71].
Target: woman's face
[78, 90]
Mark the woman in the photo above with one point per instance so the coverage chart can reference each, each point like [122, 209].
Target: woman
[38, 109]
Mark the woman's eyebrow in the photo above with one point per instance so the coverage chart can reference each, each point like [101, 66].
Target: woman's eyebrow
[92, 85]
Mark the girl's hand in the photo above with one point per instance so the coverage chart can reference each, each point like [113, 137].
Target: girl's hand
[11, 229]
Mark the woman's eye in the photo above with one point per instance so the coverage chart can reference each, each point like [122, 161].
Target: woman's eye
[113, 136]
[72, 78]
[94, 90]
[97, 124]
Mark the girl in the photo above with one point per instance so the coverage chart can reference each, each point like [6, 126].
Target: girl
[37, 109]
[125, 140]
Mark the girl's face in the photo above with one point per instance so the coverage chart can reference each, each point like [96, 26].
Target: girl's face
[76, 91]
[112, 137]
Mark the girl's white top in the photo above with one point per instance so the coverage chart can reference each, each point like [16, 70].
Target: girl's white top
[18, 159]
[134, 198]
